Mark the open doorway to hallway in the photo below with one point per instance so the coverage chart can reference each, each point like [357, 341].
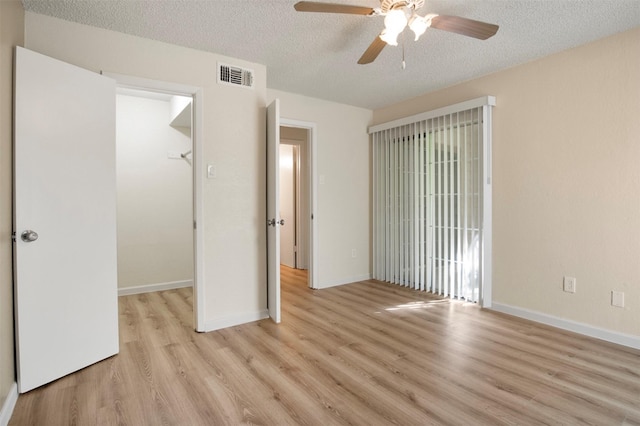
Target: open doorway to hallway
[295, 202]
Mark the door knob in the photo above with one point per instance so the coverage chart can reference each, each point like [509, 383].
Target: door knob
[271, 222]
[281, 222]
[29, 236]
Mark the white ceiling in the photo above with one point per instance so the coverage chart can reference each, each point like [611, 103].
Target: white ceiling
[315, 54]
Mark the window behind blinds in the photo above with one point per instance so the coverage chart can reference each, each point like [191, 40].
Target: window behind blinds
[431, 186]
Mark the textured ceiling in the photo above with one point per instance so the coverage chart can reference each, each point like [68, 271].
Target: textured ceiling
[315, 54]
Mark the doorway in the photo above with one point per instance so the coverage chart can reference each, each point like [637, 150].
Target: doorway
[196, 94]
[288, 202]
[273, 221]
[295, 199]
[154, 152]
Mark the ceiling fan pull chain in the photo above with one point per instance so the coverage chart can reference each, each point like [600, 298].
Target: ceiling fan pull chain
[404, 65]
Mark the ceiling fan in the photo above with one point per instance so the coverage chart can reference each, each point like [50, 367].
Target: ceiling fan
[398, 14]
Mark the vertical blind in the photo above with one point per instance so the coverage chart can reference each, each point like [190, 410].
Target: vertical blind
[430, 180]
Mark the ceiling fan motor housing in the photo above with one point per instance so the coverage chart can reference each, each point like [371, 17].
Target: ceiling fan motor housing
[387, 5]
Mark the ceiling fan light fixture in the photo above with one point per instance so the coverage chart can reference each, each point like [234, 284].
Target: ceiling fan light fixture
[395, 21]
[389, 37]
[398, 14]
[419, 25]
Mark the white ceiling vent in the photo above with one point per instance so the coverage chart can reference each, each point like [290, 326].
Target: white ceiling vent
[228, 74]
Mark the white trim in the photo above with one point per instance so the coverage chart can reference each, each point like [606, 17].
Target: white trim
[150, 85]
[197, 94]
[313, 198]
[9, 405]
[569, 325]
[198, 209]
[486, 290]
[148, 288]
[343, 281]
[462, 106]
[233, 320]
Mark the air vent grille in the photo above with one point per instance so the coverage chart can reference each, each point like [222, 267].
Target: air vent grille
[236, 76]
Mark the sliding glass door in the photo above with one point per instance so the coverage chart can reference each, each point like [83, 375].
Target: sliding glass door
[429, 184]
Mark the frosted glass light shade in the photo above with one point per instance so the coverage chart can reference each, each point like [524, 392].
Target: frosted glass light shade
[395, 21]
[418, 25]
[389, 37]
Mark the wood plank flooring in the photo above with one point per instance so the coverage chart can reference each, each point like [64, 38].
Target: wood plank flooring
[367, 353]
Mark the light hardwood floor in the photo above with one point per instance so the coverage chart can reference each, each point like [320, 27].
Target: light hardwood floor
[367, 353]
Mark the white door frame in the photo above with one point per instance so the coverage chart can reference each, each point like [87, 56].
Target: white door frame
[313, 186]
[197, 94]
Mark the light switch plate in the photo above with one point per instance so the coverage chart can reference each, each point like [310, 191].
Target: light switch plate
[569, 284]
[211, 171]
[617, 299]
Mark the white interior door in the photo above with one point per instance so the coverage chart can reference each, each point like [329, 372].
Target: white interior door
[273, 210]
[65, 191]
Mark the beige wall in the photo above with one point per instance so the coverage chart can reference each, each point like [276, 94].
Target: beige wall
[234, 141]
[11, 34]
[155, 214]
[566, 187]
[342, 215]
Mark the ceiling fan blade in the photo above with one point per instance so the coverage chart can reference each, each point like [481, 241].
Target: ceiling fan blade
[313, 6]
[464, 26]
[372, 51]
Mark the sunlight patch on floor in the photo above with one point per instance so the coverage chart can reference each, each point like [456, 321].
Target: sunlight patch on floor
[416, 305]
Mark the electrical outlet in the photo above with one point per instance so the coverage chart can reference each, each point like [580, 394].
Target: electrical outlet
[354, 253]
[569, 284]
[617, 299]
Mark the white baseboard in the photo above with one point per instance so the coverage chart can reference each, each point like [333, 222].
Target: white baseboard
[148, 288]
[343, 281]
[231, 320]
[9, 405]
[574, 326]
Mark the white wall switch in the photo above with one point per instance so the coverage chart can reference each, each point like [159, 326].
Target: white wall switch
[617, 299]
[321, 179]
[211, 171]
[569, 284]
